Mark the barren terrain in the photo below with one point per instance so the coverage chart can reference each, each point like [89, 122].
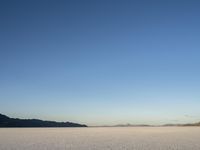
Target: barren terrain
[110, 138]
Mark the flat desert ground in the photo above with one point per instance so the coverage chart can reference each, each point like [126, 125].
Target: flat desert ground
[101, 138]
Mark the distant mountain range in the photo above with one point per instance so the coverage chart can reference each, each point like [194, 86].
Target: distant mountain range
[146, 125]
[192, 124]
[6, 121]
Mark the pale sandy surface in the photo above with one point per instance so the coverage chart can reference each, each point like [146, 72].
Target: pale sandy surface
[115, 138]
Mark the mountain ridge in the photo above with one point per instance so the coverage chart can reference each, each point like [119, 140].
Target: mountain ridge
[6, 121]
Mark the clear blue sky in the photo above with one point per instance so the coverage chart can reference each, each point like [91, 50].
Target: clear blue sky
[99, 61]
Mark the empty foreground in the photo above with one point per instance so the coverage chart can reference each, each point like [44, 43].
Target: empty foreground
[113, 138]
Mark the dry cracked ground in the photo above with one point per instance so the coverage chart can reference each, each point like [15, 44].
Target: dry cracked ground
[110, 138]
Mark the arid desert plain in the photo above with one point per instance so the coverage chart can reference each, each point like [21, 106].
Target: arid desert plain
[101, 138]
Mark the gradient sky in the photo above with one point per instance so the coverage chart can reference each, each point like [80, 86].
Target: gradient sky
[99, 61]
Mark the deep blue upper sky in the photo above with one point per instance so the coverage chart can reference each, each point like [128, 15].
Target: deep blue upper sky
[100, 61]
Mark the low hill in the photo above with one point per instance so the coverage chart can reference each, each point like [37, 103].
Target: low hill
[192, 124]
[6, 121]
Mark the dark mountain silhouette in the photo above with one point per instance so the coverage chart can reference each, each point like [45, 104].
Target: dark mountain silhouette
[6, 121]
[192, 124]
